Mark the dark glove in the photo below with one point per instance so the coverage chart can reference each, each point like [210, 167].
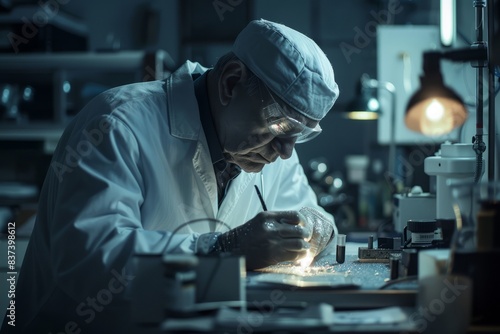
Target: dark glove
[268, 238]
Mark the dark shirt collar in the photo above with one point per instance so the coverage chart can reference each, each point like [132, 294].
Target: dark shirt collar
[224, 172]
[201, 92]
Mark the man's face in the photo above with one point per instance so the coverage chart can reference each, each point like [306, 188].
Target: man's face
[247, 139]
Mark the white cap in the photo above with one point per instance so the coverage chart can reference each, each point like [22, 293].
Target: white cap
[291, 64]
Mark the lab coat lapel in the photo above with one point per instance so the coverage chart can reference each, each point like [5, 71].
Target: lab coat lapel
[202, 164]
[183, 115]
[185, 124]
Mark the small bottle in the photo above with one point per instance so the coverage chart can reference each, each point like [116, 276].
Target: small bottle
[394, 260]
[341, 248]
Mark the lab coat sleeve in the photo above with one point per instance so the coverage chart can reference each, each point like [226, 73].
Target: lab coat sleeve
[96, 223]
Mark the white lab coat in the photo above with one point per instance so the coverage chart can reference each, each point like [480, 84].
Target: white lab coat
[132, 166]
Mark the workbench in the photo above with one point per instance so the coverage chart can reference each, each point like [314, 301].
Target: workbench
[328, 297]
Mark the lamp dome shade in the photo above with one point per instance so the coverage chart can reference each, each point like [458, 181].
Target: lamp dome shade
[435, 110]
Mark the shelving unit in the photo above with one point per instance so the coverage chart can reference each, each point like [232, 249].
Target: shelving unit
[41, 92]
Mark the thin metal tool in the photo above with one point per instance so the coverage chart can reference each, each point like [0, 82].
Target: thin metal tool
[262, 189]
[264, 207]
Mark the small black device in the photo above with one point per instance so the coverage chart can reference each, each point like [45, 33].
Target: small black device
[386, 247]
[430, 233]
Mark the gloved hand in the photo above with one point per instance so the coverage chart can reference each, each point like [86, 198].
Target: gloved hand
[322, 233]
[268, 238]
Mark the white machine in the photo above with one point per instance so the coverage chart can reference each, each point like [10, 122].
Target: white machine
[453, 163]
[416, 205]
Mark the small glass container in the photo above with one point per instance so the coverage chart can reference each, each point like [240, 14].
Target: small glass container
[341, 248]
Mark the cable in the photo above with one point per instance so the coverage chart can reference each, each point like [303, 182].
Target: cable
[399, 280]
[191, 222]
[407, 242]
[217, 265]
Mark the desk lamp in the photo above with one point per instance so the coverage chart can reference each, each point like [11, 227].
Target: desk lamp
[436, 110]
[367, 107]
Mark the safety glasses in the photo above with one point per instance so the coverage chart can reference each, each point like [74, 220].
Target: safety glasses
[283, 126]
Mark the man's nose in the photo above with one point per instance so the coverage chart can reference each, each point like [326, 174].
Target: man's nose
[284, 146]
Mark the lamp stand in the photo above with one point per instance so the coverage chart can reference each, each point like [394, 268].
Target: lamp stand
[478, 144]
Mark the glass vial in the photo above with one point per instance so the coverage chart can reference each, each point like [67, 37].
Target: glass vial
[341, 248]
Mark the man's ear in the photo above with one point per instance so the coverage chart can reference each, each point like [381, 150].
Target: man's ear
[234, 72]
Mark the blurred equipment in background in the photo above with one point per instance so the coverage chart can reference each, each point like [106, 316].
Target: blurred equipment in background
[476, 246]
[41, 28]
[20, 96]
[368, 107]
[330, 188]
[357, 204]
[18, 204]
[5, 5]
[413, 205]
[365, 106]
[386, 246]
[369, 206]
[375, 202]
[463, 201]
[40, 92]
[356, 166]
[453, 163]
[428, 233]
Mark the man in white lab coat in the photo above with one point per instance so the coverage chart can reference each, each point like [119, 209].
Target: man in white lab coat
[142, 160]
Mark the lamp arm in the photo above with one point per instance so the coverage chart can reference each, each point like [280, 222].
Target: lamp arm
[479, 145]
[477, 52]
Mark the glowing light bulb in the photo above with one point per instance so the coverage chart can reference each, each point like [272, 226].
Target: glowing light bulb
[434, 111]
